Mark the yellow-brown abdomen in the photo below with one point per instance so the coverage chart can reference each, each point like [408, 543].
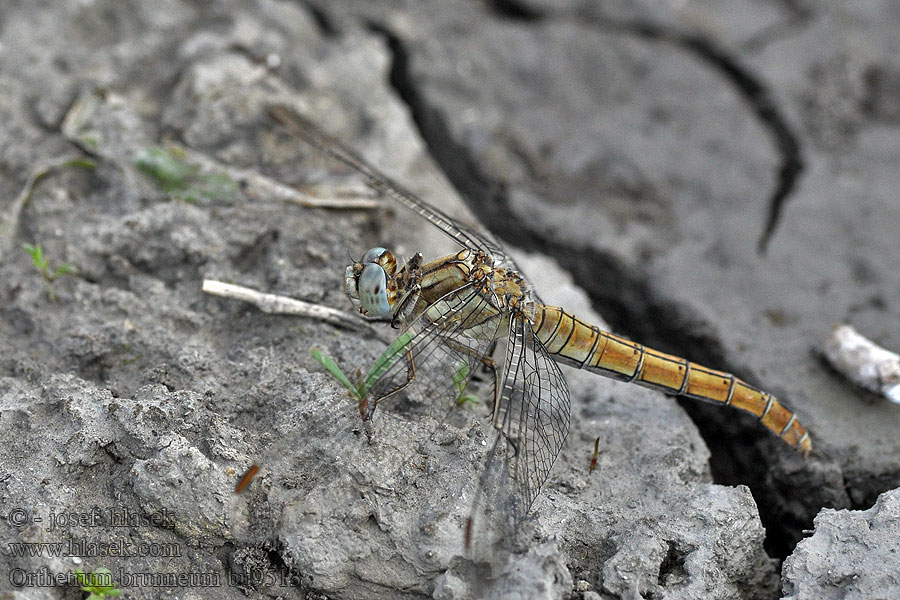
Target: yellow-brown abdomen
[574, 342]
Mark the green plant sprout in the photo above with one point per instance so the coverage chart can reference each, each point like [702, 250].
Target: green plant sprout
[42, 264]
[98, 584]
[360, 390]
[460, 382]
[356, 390]
[80, 163]
[171, 172]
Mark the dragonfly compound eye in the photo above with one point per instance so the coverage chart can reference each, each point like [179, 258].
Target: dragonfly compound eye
[382, 257]
[372, 286]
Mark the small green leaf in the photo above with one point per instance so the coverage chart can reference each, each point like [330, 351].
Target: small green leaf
[81, 163]
[100, 583]
[42, 264]
[167, 169]
[89, 140]
[335, 370]
[174, 175]
[217, 186]
[391, 355]
[63, 269]
[459, 377]
[37, 255]
[461, 382]
[467, 399]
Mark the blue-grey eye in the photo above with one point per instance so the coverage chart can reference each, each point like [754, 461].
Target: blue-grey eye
[372, 255]
[382, 257]
[372, 288]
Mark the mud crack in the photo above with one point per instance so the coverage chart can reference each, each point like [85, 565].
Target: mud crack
[748, 86]
[760, 100]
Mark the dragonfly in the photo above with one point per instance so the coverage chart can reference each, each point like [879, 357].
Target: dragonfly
[455, 311]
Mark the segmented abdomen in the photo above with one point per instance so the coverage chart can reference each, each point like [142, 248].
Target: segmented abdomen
[576, 343]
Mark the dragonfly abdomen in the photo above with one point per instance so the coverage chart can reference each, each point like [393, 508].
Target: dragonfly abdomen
[576, 343]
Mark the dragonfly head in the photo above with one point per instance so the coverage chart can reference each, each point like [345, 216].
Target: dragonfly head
[370, 283]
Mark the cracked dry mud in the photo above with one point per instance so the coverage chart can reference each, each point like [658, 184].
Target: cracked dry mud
[717, 179]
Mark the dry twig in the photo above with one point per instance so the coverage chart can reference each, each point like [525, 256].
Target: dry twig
[283, 305]
[863, 362]
[260, 186]
[9, 222]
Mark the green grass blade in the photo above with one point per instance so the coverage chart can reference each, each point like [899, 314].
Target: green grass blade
[391, 355]
[335, 370]
[63, 269]
[168, 169]
[467, 399]
[37, 255]
[81, 163]
[459, 377]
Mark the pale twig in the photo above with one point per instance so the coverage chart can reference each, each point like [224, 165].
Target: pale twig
[863, 362]
[259, 186]
[9, 222]
[283, 305]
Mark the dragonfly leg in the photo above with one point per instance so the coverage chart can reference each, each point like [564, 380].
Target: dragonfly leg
[406, 306]
[410, 377]
[490, 365]
[487, 363]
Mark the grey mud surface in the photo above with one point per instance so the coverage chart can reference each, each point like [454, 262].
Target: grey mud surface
[717, 179]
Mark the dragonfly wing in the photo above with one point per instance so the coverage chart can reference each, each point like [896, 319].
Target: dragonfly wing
[489, 245]
[378, 181]
[435, 356]
[533, 412]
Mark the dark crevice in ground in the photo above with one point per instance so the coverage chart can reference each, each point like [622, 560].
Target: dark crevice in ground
[509, 9]
[672, 566]
[799, 9]
[748, 86]
[631, 307]
[321, 19]
[757, 96]
[799, 14]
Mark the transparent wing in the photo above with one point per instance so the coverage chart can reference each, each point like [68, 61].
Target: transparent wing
[435, 356]
[381, 183]
[533, 412]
